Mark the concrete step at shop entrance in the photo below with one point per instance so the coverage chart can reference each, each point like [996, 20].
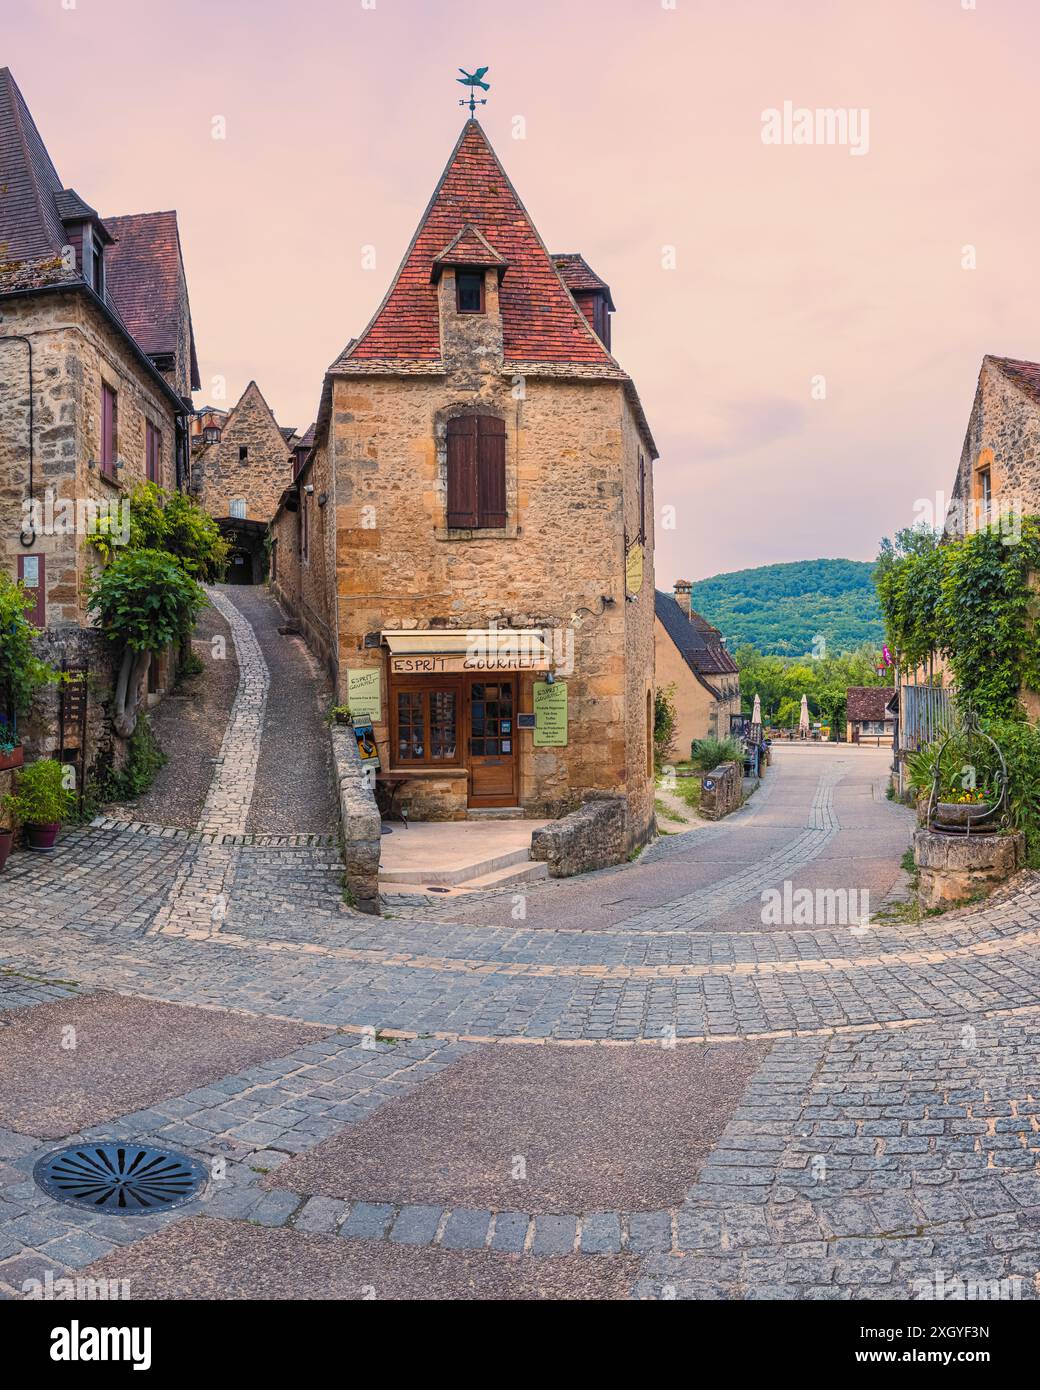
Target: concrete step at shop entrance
[453, 854]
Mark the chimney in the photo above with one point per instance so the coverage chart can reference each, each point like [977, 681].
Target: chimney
[682, 594]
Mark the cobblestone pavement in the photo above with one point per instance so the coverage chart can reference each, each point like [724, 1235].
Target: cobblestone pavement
[886, 1145]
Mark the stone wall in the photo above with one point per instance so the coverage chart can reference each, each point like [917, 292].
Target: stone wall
[359, 821]
[722, 790]
[219, 475]
[595, 836]
[1004, 434]
[75, 350]
[305, 586]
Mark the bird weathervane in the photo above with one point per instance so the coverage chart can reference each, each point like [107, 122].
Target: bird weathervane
[472, 80]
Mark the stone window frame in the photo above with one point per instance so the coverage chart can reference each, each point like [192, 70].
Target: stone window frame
[511, 530]
[985, 464]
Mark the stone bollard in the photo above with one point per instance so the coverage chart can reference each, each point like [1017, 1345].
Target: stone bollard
[721, 790]
[956, 867]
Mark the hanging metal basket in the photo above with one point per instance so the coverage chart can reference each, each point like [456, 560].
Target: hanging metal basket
[954, 815]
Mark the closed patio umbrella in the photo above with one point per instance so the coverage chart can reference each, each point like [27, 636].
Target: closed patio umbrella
[756, 713]
[803, 718]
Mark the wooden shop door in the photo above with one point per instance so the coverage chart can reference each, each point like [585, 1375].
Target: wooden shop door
[492, 742]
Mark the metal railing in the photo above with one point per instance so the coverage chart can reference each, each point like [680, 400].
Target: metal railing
[925, 714]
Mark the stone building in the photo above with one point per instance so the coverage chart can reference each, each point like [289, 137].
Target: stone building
[97, 362]
[241, 464]
[690, 657]
[470, 542]
[999, 468]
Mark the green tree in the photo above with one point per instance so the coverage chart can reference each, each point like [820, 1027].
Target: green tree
[143, 600]
[173, 522]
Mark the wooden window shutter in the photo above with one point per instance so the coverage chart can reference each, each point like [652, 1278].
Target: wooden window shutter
[491, 471]
[108, 429]
[462, 471]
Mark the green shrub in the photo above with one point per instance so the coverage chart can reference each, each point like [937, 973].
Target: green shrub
[706, 753]
[144, 759]
[20, 671]
[665, 719]
[41, 797]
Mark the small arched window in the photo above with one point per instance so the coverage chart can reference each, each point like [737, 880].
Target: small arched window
[476, 471]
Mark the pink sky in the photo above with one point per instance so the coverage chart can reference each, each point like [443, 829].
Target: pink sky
[643, 130]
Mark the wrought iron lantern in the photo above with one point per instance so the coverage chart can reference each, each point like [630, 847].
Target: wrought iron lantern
[981, 805]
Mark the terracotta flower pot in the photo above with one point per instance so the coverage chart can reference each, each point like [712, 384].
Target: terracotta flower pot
[6, 841]
[13, 759]
[42, 837]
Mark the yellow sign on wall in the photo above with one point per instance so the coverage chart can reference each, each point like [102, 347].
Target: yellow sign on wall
[363, 693]
[634, 568]
[550, 714]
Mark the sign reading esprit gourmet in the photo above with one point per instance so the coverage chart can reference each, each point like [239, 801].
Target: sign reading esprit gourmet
[434, 652]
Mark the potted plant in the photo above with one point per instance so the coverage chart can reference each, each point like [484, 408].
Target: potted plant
[41, 802]
[11, 753]
[340, 714]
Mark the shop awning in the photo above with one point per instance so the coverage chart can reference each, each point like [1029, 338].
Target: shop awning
[436, 650]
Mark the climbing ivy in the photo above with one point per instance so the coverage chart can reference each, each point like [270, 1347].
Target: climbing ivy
[972, 601]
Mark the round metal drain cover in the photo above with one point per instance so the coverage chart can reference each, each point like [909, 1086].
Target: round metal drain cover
[130, 1179]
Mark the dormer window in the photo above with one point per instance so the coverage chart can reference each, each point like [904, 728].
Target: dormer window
[469, 291]
[97, 266]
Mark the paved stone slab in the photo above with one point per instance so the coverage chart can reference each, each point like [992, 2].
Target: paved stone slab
[558, 1130]
[208, 1258]
[79, 1062]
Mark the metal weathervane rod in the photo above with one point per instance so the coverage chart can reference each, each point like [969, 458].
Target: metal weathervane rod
[473, 80]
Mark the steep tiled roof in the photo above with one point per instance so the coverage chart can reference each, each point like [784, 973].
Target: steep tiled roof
[540, 321]
[144, 271]
[867, 702]
[699, 644]
[30, 225]
[1025, 375]
[578, 275]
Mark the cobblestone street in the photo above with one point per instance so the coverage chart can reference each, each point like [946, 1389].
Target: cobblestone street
[626, 1084]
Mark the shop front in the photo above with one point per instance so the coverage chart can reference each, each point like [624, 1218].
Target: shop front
[457, 705]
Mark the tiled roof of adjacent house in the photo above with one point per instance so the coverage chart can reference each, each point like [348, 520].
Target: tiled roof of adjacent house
[30, 223]
[141, 293]
[144, 271]
[578, 275]
[1025, 375]
[540, 321]
[699, 644]
[867, 702]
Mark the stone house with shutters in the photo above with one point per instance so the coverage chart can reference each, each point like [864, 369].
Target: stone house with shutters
[691, 658]
[469, 544]
[97, 362]
[242, 463]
